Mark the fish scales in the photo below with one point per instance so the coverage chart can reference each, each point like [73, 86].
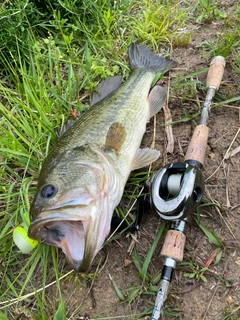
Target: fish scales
[127, 106]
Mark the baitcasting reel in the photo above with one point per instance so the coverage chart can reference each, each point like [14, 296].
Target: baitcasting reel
[173, 192]
[176, 190]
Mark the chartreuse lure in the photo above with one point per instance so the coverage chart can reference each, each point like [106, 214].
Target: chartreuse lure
[20, 236]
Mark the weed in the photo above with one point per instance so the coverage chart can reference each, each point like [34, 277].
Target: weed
[28, 123]
[196, 272]
[207, 11]
[230, 314]
[182, 40]
[212, 236]
[226, 43]
[186, 86]
[157, 21]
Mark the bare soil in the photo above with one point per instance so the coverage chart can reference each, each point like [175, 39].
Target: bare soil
[190, 298]
[194, 299]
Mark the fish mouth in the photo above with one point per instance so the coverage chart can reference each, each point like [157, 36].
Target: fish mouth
[69, 235]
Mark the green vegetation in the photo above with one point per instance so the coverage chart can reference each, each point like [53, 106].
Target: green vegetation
[52, 56]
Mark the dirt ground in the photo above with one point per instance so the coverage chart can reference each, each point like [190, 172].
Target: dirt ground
[207, 300]
[97, 299]
[192, 299]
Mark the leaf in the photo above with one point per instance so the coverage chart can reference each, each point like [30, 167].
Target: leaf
[219, 104]
[118, 291]
[212, 236]
[133, 294]
[88, 58]
[151, 251]
[218, 257]
[2, 316]
[189, 275]
[193, 74]
[61, 312]
[157, 77]
[203, 278]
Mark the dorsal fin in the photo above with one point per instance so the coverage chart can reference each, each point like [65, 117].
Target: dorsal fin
[105, 88]
[66, 126]
[115, 137]
[157, 99]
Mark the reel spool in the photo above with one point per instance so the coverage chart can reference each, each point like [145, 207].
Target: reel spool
[176, 190]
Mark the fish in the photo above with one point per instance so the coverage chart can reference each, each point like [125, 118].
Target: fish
[82, 179]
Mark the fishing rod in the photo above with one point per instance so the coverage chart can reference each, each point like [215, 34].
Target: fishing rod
[177, 189]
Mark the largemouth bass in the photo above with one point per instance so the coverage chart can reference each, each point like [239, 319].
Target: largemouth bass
[83, 177]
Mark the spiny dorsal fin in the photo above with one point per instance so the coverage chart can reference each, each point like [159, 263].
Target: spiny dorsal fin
[157, 99]
[115, 137]
[66, 126]
[105, 88]
[144, 157]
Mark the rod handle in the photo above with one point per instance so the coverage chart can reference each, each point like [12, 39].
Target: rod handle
[198, 144]
[174, 245]
[215, 72]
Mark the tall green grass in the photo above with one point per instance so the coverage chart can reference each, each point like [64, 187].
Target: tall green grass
[53, 55]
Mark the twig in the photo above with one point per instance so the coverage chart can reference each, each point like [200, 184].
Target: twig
[219, 212]
[16, 300]
[154, 132]
[168, 129]
[232, 153]
[227, 152]
[210, 302]
[227, 188]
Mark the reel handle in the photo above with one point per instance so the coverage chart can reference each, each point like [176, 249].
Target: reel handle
[197, 148]
[215, 72]
[198, 144]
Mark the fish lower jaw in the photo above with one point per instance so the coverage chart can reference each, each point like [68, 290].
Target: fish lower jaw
[69, 235]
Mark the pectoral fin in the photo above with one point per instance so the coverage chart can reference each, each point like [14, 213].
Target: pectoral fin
[157, 99]
[115, 137]
[144, 157]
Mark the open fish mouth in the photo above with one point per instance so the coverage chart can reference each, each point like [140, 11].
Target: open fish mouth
[69, 235]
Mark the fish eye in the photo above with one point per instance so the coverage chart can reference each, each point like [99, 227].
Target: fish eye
[48, 191]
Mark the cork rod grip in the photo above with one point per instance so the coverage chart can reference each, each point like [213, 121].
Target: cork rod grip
[198, 144]
[215, 72]
[174, 245]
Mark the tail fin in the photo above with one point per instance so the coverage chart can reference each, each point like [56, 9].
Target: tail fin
[141, 57]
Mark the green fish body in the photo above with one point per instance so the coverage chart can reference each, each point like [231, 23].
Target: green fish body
[83, 177]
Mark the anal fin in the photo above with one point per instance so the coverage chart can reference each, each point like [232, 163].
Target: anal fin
[144, 157]
[157, 99]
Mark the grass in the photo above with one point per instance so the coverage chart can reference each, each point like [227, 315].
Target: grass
[53, 54]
